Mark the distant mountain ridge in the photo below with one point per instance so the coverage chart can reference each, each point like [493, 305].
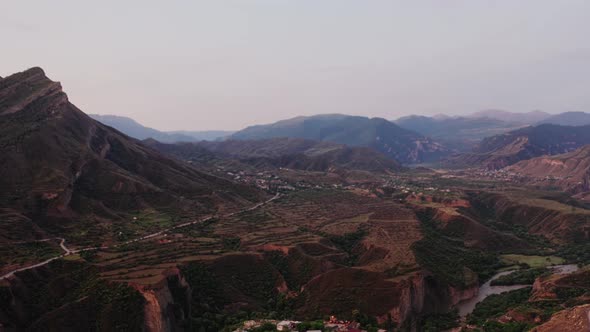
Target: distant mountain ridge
[531, 117]
[384, 136]
[568, 119]
[136, 130]
[461, 133]
[506, 149]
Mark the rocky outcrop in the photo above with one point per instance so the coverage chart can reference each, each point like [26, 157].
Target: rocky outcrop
[572, 319]
[19, 91]
[161, 310]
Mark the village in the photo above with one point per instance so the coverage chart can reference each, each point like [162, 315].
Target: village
[333, 324]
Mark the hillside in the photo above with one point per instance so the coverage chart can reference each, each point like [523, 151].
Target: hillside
[570, 171]
[569, 119]
[292, 153]
[460, 133]
[384, 136]
[63, 173]
[134, 129]
[503, 150]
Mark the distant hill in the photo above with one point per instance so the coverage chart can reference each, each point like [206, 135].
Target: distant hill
[132, 128]
[384, 136]
[532, 117]
[294, 153]
[460, 133]
[570, 171]
[64, 173]
[503, 150]
[569, 119]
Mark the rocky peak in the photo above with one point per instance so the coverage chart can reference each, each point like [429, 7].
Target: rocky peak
[20, 90]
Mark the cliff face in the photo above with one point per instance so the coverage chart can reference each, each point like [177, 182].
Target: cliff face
[422, 294]
[19, 91]
[338, 291]
[162, 310]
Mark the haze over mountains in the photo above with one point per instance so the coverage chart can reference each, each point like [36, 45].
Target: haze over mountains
[136, 130]
[460, 133]
[514, 117]
[411, 139]
[568, 119]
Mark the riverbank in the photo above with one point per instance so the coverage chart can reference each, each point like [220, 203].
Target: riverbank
[466, 307]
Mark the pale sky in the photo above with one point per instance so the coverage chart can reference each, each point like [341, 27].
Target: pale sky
[220, 64]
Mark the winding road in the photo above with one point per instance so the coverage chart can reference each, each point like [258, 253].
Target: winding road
[68, 251]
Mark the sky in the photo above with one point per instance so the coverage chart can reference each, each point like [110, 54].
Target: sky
[219, 64]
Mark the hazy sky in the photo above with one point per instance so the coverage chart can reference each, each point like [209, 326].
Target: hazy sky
[227, 64]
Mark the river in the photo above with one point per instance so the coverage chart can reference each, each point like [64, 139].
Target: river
[485, 290]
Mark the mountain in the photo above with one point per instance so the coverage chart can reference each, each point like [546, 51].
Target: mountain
[203, 135]
[384, 136]
[569, 119]
[134, 129]
[570, 171]
[513, 117]
[460, 133]
[295, 153]
[67, 174]
[503, 150]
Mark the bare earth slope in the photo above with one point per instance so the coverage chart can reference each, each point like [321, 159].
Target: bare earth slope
[59, 167]
[503, 150]
[570, 171]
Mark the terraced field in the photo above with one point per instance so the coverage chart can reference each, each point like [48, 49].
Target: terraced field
[313, 223]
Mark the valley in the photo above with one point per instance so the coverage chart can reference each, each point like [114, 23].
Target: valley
[325, 225]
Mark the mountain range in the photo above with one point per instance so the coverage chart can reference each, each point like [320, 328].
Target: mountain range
[459, 133]
[568, 119]
[525, 118]
[136, 130]
[401, 144]
[410, 139]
